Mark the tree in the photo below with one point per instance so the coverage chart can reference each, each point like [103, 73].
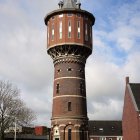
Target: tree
[12, 107]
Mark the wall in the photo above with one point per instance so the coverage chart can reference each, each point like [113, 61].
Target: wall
[130, 119]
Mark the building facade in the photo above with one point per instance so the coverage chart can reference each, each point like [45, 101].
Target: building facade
[131, 111]
[69, 43]
[105, 130]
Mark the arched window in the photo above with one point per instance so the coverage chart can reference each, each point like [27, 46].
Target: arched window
[69, 134]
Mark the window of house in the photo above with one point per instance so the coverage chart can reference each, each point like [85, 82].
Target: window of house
[102, 138]
[52, 31]
[86, 32]
[78, 29]
[60, 30]
[69, 134]
[101, 129]
[119, 138]
[69, 29]
[57, 88]
[69, 106]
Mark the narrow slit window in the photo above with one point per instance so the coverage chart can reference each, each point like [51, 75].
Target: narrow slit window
[78, 29]
[82, 88]
[57, 88]
[52, 31]
[86, 32]
[69, 134]
[69, 29]
[69, 106]
[60, 30]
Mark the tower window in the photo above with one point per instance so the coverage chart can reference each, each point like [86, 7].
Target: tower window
[69, 69]
[78, 15]
[60, 30]
[69, 14]
[78, 29]
[58, 70]
[61, 15]
[86, 32]
[57, 88]
[69, 29]
[81, 70]
[69, 106]
[52, 31]
[69, 134]
[82, 88]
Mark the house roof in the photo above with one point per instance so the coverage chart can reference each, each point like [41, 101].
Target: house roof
[135, 88]
[105, 128]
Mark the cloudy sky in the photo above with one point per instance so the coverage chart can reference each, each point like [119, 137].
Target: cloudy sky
[116, 54]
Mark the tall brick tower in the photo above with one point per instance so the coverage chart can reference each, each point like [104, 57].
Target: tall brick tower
[69, 38]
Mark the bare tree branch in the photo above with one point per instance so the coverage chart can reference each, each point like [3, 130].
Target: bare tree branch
[11, 107]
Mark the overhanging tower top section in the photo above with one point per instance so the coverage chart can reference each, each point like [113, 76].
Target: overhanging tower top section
[66, 6]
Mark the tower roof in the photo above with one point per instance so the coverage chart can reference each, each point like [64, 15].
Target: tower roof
[135, 88]
[69, 4]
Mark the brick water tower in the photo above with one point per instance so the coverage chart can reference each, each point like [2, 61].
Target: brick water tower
[69, 43]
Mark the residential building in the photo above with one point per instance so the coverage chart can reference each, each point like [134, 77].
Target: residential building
[131, 111]
[105, 130]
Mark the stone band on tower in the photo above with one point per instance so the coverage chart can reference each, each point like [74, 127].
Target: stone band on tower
[69, 38]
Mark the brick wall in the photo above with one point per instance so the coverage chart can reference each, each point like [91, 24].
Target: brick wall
[130, 119]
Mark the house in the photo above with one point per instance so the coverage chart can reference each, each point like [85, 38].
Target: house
[131, 111]
[105, 130]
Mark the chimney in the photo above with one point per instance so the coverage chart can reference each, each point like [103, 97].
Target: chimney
[127, 80]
